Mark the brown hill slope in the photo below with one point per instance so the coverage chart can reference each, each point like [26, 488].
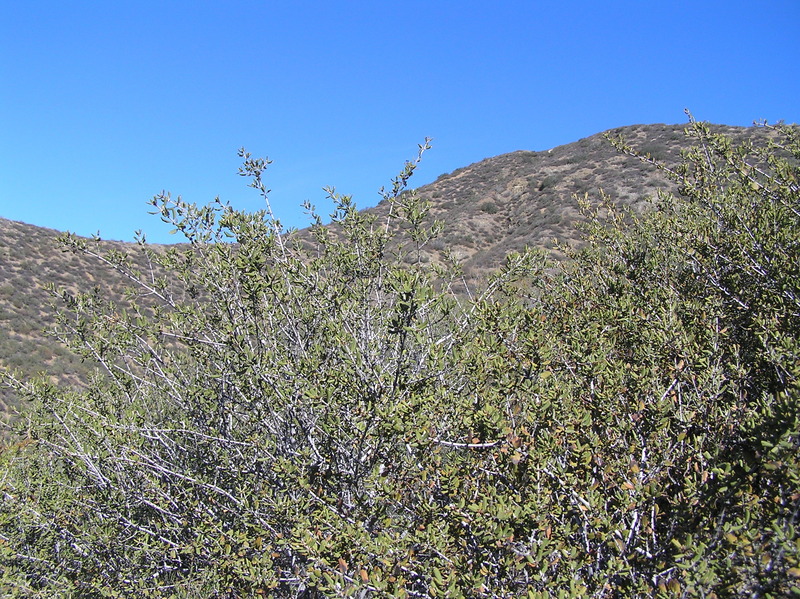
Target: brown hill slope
[31, 260]
[488, 208]
[524, 198]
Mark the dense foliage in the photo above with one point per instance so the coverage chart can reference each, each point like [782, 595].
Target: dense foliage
[333, 418]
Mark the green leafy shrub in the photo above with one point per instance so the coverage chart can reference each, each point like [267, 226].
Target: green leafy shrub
[337, 418]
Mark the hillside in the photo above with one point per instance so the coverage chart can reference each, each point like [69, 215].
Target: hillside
[31, 262]
[488, 208]
[524, 198]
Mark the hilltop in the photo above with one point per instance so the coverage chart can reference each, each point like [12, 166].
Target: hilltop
[528, 199]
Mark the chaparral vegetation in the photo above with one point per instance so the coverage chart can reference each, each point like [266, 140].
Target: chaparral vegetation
[331, 415]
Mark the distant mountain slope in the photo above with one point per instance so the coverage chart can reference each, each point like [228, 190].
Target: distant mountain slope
[30, 260]
[521, 199]
[489, 208]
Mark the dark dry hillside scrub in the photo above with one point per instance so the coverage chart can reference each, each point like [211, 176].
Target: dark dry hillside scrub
[332, 419]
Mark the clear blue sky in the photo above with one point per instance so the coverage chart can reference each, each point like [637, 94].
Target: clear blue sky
[104, 104]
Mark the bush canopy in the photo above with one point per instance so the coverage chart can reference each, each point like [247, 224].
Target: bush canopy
[288, 415]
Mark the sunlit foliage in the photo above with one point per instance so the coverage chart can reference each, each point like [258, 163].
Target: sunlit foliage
[285, 418]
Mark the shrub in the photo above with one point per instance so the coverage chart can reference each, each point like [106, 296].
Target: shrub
[488, 207]
[333, 419]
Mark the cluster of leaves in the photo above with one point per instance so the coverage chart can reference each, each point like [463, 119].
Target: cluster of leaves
[332, 418]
